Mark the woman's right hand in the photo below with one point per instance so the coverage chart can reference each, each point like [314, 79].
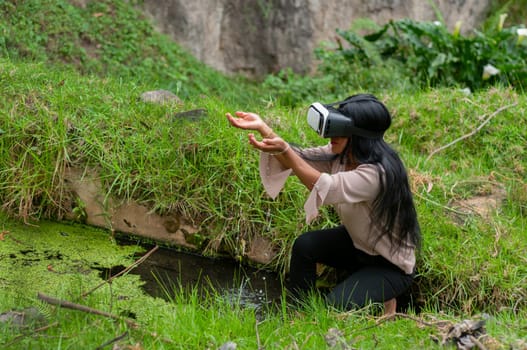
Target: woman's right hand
[247, 121]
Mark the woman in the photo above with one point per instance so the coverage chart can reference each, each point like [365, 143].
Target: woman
[365, 180]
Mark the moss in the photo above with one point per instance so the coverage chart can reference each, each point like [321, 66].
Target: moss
[58, 258]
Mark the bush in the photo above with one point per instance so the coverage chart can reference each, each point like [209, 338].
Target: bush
[432, 56]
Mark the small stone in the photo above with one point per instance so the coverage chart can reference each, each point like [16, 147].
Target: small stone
[23, 318]
[229, 346]
[160, 96]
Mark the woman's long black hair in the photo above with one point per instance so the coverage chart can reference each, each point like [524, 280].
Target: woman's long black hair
[393, 209]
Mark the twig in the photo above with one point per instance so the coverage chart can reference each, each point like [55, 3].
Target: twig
[499, 110]
[69, 305]
[44, 328]
[477, 342]
[386, 318]
[135, 264]
[398, 314]
[496, 241]
[111, 341]
[439, 204]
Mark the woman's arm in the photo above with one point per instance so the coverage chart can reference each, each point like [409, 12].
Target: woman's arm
[288, 158]
[273, 144]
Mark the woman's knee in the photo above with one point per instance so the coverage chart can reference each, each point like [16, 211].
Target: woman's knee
[303, 245]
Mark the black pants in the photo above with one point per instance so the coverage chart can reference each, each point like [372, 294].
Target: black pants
[371, 278]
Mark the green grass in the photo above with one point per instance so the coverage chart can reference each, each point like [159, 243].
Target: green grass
[70, 86]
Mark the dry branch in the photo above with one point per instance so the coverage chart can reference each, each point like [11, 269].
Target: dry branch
[73, 306]
[20, 337]
[135, 264]
[111, 341]
[499, 110]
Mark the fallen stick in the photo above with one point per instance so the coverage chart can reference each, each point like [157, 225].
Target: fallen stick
[111, 341]
[501, 109]
[69, 305]
[135, 264]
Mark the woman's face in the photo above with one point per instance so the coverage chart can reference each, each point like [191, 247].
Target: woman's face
[338, 144]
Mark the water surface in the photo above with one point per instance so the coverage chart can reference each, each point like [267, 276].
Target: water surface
[168, 271]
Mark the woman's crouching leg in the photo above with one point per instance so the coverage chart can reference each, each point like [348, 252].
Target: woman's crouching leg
[302, 267]
[370, 284]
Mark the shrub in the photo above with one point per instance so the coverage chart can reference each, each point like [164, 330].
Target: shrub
[433, 56]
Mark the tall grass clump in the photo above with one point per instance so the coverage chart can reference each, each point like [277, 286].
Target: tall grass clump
[468, 193]
[200, 168]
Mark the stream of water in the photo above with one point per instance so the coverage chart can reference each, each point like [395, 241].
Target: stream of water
[167, 271]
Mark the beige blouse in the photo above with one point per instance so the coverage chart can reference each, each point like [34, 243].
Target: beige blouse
[350, 192]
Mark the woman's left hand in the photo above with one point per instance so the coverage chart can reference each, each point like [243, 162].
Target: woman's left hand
[274, 145]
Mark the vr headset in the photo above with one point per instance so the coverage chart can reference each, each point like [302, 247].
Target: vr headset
[329, 122]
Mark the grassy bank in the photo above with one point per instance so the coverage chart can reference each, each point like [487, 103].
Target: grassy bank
[109, 38]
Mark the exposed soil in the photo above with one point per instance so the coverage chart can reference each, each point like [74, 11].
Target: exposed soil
[136, 219]
[483, 205]
[127, 217]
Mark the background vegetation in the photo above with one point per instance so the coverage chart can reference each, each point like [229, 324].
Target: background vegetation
[71, 77]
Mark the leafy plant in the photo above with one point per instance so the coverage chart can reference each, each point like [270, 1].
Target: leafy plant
[433, 56]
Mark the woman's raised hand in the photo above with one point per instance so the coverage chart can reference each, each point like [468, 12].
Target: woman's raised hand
[251, 121]
[247, 121]
[276, 145]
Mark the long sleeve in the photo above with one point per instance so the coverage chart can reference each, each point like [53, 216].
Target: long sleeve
[272, 174]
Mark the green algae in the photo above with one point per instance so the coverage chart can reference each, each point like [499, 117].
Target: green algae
[58, 258]
[64, 260]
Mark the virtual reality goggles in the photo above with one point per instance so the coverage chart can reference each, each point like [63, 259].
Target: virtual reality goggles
[329, 122]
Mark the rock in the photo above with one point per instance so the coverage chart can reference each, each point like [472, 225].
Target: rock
[261, 250]
[160, 96]
[23, 318]
[229, 346]
[192, 114]
[124, 216]
[333, 337]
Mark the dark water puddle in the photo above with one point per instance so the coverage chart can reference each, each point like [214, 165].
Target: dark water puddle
[167, 272]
